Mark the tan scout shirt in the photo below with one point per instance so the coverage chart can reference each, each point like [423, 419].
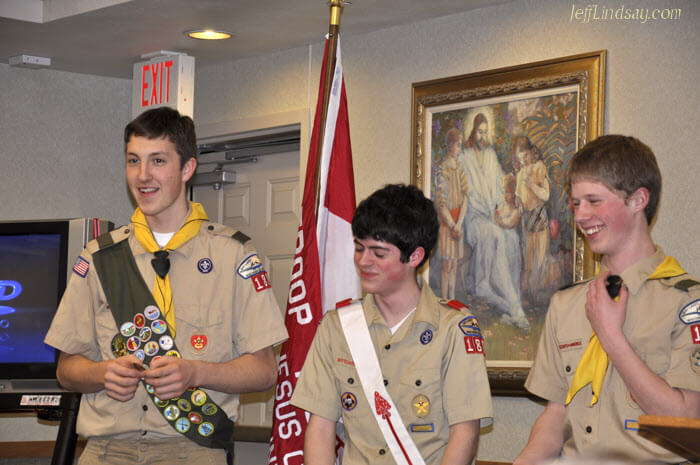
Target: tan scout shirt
[430, 377]
[657, 334]
[219, 316]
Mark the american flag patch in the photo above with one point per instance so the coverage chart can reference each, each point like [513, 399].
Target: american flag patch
[81, 267]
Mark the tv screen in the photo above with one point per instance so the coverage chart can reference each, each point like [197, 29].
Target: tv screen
[35, 259]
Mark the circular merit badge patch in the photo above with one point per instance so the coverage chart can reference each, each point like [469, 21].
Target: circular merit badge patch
[348, 401]
[205, 429]
[151, 312]
[119, 346]
[183, 425]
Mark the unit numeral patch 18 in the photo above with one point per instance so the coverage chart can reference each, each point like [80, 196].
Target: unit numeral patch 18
[695, 333]
[474, 344]
[261, 281]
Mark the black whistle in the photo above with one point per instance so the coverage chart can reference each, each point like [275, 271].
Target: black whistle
[613, 283]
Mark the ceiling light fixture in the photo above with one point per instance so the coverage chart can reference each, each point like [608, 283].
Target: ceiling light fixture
[208, 34]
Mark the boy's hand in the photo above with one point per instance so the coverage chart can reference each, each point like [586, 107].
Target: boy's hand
[122, 378]
[170, 376]
[605, 314]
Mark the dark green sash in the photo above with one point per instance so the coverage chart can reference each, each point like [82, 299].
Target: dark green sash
[194, 414]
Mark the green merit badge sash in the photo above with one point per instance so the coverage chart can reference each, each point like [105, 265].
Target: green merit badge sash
[144, 332]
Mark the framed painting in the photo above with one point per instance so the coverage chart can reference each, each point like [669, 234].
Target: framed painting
[491, 149]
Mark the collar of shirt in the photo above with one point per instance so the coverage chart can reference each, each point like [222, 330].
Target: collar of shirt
[637, 274]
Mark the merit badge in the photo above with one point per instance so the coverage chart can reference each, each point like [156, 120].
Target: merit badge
[205, 265]
[695, 333]
[195, 418]
[348, 401]
[261, 281]
[421, 405]
[173, 353]
[159, 326]
[160, 402]
[184, 405]
[165, 342]
[145, 334]
[695, 361]
[182, 425]
[140, 354]
[198, 397]
[157, 357]
[421, 428]
[198, 341]
[205, 429]
[133, 343]
[119, 345]
[139, 320]
[171, 412]
[426, 336]
[151, 348]
[474, 344]
[81, 267]
[690, 313]
[150, 389]
[250, 267]
[128, 329]
[151, 312]
[209, 409]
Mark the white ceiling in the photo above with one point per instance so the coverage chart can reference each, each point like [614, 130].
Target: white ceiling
[105, 37]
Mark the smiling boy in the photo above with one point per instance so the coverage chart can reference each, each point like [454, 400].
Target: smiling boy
[427, 389]
[604, 361]
[161, 326]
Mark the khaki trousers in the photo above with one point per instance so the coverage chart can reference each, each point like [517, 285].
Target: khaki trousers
[140, 451]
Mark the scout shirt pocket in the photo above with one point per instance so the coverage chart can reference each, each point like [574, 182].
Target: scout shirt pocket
[349, 389]
[419, 397]
[203, 335]
[571, 352]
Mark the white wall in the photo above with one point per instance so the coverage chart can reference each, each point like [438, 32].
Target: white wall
[651, 93]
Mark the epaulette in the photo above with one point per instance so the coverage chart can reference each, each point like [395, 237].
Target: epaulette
[682, 282]
[108, 239]
[574, 284]
[456, 304]
[223, 230]
[346, 302]
[686, 284]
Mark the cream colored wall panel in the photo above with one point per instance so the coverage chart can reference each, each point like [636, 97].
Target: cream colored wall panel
[237, 206]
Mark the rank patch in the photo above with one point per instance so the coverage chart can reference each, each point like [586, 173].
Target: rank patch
[421, 405]
[198, 341]
[81, 267]
[261, 281]
[426, 336]
[250, 267]
[348, 401]
[690, 313]
[474, 344]
[205, 265]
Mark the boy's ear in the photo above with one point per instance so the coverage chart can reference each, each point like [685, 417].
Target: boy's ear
[416, 256]
[639, 199]
[188, 169]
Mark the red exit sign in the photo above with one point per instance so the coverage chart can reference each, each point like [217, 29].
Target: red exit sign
[166, 80]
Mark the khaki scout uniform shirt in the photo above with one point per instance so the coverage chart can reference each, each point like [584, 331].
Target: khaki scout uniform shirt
[426, 358]
[655, 332]
[210, 299]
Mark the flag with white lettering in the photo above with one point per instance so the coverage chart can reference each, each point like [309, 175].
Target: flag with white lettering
[323, 272]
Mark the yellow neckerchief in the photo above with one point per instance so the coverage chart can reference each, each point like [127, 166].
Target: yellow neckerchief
[594, 362]
[143, 234]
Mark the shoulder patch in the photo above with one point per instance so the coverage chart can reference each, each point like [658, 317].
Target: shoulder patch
[81, 267]
[240, 237]
[690, 313]
[469, 326]
[250, 266]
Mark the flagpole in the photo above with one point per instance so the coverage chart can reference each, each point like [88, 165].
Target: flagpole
[333, 31]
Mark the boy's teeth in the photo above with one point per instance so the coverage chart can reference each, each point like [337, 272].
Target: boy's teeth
[592, 230]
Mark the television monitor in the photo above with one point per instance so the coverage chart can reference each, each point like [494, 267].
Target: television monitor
[36, 257]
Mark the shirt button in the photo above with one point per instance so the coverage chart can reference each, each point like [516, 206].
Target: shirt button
[418, 382]
[210, 228]
[568, 368]
[144, 407]
[143, 433]
[351, 381]
[386, 382]
[588, 429]
[382, 452]
[126, 231]
[387, 347]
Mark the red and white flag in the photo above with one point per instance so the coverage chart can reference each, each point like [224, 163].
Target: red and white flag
[323, 272]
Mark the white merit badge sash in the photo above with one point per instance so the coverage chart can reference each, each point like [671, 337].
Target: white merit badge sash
[401, 445]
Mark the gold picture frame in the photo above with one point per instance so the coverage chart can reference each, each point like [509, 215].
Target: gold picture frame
[507, 238]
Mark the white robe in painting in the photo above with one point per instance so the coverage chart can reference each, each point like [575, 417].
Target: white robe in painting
[494, 267]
